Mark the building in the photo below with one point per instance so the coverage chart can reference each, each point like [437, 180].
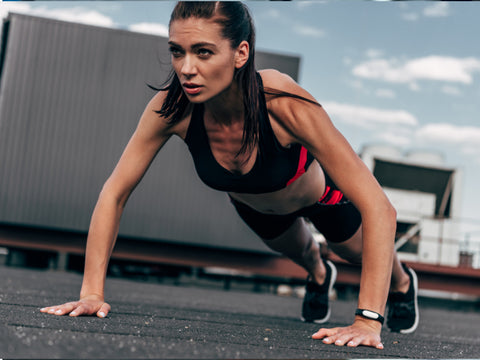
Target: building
[70, 98]
[427, 196]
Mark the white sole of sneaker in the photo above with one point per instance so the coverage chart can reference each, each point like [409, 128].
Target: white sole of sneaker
[417, 318]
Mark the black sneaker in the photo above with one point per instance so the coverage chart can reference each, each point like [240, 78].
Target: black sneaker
[315, 303]
[403, 308]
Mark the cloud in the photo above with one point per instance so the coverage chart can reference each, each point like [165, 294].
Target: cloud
[459, 139]
[394, 138]
[75, 14]
[410, 16]
[78, 15]
[449, 134]
[451, 90]
[374, 53]
[5, 8]
[438, 9]
[273, 13]
[434, 68]
[367, 117]
[150, 28]
[301, 5]
[309, 31]
[385, 93]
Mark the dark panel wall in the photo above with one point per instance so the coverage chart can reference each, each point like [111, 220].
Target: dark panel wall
[70, 98]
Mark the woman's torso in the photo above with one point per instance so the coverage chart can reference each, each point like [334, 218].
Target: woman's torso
[222, 144]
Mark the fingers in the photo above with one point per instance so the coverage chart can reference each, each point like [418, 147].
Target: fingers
[348, 336]
[104, 310]
[78, 308]
[60, 309]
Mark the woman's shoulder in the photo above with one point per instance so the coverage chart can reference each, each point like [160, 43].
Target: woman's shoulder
[275, 79]
[164, 124]
[283, 95]
[291, 108]
[280, 87]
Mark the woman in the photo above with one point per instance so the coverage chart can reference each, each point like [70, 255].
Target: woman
[270, 145]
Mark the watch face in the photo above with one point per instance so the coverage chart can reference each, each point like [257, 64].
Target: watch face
[370, 314]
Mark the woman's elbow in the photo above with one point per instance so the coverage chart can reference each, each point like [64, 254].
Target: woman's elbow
[389, 213]
[112, 194]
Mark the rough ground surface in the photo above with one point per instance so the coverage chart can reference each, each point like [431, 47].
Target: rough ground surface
[165, 321]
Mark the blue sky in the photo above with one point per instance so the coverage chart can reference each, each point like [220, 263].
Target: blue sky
[400, 73]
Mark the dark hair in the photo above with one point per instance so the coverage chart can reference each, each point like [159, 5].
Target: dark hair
[237, 26]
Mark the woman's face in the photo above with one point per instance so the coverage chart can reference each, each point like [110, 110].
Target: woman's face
[203, 60]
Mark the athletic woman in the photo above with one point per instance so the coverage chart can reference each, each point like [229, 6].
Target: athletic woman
[265, 141]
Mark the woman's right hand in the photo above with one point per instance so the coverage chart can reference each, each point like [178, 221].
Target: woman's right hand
[88, 305]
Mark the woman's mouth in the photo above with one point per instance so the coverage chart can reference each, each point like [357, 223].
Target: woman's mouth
[191, 88]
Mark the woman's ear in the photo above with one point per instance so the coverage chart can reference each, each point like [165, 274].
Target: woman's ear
[242, 54]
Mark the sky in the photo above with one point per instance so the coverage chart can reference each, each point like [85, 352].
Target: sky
[406, 73]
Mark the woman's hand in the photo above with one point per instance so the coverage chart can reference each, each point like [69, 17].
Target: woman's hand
[88, 305]
[362, 332]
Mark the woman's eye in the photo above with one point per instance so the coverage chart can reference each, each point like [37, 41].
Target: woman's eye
[205, 52]
[175, 52]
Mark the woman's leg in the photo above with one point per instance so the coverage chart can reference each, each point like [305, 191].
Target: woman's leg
[298, 244]
[288, 235]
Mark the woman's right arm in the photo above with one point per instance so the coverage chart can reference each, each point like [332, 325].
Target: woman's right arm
[150, 135]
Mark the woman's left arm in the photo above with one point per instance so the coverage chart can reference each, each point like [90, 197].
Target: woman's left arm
[309, 125]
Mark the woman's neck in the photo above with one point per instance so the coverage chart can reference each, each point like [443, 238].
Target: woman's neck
[227, 107]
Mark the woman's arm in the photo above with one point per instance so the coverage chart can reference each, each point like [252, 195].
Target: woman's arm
[309, 125]
[150, 135]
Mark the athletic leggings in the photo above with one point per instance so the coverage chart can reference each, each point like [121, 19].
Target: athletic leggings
[333, 215]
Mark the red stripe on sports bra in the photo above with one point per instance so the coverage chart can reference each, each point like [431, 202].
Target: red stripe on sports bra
[301, 165]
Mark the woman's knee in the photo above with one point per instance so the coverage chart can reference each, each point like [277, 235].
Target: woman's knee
[350, 249]
[296, 241]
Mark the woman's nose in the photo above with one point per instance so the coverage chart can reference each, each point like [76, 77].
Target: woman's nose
[188, 66]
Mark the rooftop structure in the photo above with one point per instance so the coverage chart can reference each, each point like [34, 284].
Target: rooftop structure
[427, 196]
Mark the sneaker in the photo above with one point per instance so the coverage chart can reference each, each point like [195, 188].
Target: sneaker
[403, 308]
[315, 306]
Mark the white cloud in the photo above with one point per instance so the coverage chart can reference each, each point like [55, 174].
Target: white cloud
[414, 86]
[366, 117]
[385, 93]
[451, 90]
[435, 68]
[450, 134]
[273, 13]
[394, 138]
[150, 28]
[357, 84]
[374, 53]
[471, 150]
[5, 8]
[410, 16]
[75, 14]
[347, 60]
[309, 31]
[301, 5]
[438, 9]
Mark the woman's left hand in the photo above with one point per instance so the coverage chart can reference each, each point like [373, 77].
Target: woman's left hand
[360, 333]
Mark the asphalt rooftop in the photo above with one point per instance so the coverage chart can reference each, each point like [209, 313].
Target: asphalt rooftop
[159, 321]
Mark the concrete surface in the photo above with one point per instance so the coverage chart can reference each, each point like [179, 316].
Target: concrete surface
[185, 322]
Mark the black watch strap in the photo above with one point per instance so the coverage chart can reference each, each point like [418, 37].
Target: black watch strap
[369, 314]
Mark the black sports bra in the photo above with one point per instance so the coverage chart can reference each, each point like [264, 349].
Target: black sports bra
[275, 166]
